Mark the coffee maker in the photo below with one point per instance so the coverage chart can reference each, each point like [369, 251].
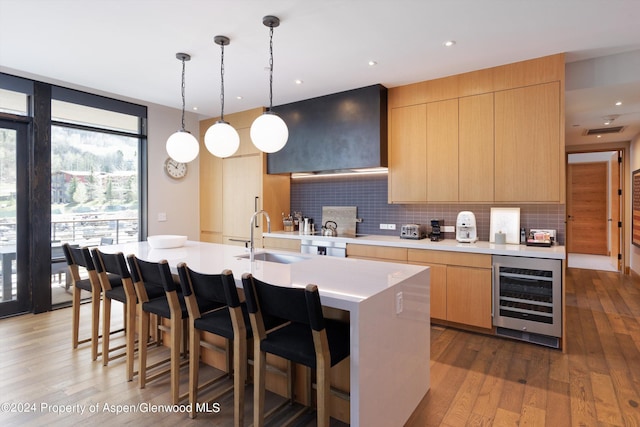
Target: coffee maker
[466, 230]
[437, 230]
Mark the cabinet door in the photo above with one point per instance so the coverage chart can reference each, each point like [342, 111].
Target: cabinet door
[438, 292]
[528, 144]
[475, 148]
[408, 155]
[211, 180]
[469, 296]
[442, 151]
[241, 188]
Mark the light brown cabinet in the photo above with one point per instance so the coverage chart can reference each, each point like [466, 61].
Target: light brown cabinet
[232, 189]
[408, 155]
[487, 136]
[475, 148]
[460, 282]
[442, 151]
[460, 286]
[528, 147]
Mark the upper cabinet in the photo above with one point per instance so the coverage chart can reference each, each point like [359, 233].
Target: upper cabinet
[408, 155]
[493, 135]
[527, 144]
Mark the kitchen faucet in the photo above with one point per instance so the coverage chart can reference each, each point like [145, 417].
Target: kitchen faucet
[253, 218]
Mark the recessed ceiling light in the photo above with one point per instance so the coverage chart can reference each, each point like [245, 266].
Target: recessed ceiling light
[608, 122]
[618, 103]
[372, 63]
[195, 108]
[299, 82]
[449, 43]
[599, 136]
[238, 97]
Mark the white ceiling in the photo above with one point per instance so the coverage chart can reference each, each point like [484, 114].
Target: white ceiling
[128, 47]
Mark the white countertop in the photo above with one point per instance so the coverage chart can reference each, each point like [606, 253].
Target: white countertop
[339, 279]
[480, 247]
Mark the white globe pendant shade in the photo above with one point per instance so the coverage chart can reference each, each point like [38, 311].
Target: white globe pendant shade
[182, 146]
[269, 133]
[221, 139]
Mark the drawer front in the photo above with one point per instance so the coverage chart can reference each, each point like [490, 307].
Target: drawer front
[377, 252]
[292, 245]
[449, 258]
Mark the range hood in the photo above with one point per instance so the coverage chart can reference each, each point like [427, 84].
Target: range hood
[334, 133]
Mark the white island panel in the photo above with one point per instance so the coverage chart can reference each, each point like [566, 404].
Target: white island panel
[389, 361]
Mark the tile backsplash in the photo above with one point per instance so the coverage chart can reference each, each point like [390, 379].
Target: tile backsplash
[369, 194]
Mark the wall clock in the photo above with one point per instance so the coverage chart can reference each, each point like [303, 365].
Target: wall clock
[174, 169]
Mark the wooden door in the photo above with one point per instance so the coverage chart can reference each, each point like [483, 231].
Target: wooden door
[241, 189]
[587, 208]
[469, 296]
[442, 151]
[475, 149]
[615, 190]
[527, 144]
[408, 155]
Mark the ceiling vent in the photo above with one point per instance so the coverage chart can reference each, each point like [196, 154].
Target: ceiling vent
[603, 131]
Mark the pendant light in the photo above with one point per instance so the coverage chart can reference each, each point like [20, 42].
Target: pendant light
[221, 139]
[181, 145]
[269, 132]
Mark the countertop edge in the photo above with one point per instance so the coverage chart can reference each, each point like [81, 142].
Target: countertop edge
[480, 247]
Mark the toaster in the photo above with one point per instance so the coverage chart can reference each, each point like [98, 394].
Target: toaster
[413, 231]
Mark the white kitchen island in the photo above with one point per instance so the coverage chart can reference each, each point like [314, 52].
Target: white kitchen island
[388, 305]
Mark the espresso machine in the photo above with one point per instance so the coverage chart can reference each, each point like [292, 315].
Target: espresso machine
[466, 230]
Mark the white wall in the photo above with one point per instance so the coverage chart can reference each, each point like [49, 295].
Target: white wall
[179, 200]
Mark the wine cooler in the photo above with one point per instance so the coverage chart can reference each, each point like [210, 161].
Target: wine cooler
[527, 302]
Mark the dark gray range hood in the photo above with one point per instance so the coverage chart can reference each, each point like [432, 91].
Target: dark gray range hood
[342, 131]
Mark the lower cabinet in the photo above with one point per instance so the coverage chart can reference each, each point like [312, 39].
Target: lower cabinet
[469, 296]
[460, 286]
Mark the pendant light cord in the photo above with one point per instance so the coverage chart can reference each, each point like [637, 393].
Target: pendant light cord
[222, 82]
[183, 103]
[271, 68]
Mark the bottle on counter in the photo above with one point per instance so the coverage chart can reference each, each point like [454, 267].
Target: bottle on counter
[523, 236]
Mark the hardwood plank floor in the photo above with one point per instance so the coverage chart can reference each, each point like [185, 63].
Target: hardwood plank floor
[476, 380]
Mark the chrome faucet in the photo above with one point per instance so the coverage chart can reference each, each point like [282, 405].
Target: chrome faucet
[253, 218]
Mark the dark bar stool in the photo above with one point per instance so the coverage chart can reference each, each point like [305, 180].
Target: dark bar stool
[80, 259]
[308, 338]
[214, 306]
[158, 294]
[116, 285]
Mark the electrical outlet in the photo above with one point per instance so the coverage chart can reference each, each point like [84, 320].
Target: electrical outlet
[449, 228]
[391, 226]
[162, 216]
[399, 303]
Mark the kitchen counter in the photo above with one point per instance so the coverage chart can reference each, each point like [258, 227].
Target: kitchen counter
[388, 307]
[480, 247]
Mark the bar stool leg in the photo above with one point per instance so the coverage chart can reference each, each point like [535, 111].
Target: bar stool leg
[143, 341]
[194, 362]
[106, 329]
[131, 337]
[76, 315]
[95, 322]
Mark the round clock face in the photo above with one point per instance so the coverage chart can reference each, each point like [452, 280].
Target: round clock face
[174, 169]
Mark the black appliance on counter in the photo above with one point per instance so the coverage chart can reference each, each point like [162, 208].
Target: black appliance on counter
[437, 230]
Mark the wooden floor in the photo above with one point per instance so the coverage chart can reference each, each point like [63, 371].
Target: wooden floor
[475, 379]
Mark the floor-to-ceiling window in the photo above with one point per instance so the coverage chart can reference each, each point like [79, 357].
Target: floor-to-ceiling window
[83, 181]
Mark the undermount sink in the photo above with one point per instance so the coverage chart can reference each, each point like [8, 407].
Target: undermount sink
[271, 257]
